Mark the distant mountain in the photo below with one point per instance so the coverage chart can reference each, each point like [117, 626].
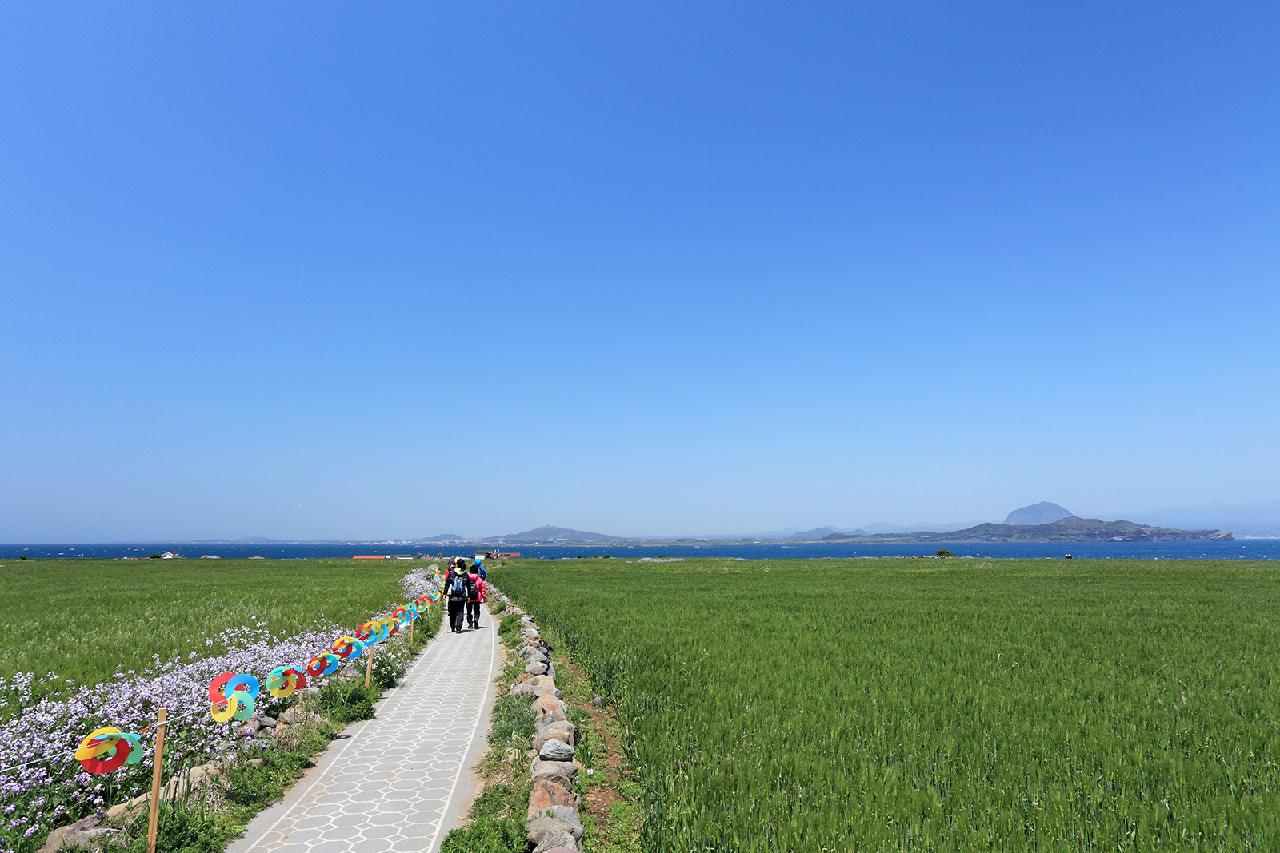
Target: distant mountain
[1069, 529]
[550, 535]
[1041, 513]
[817, 534]
[443, 537]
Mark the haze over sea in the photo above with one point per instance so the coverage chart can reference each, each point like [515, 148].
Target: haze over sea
[1251, 549]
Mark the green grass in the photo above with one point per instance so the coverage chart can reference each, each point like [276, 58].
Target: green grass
[617, 829]
[87, 619]
[927, 704]
[495, 824]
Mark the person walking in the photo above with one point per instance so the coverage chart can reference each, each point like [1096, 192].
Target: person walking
[457, 566]
[458, 592]
[475, 596]
[448, 581]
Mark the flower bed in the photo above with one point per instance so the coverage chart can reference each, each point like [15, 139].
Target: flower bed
[42, 787]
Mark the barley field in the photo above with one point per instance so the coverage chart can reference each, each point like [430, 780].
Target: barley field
[934, 704]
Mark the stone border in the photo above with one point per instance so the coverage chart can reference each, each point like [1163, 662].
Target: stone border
[551, 822]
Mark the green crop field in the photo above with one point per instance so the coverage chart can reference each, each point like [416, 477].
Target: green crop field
[934, 704]
[87, 619]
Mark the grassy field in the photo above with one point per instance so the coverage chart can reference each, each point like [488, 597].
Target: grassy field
[87, 619]
[934, 704]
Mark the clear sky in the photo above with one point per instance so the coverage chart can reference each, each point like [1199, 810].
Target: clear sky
[344, 270]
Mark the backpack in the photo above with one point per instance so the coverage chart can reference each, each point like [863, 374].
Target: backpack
[473, 589]
[458, 588]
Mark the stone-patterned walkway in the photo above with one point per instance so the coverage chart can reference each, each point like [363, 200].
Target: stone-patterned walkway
[400, 781]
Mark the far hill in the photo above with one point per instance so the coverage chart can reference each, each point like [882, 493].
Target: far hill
[1069, 529]
[1041, 513]
[551, 535]
[817, 534]
[442, 537]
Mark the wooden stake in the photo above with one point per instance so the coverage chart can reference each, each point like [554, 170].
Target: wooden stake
[368, 665]
[410, 636]
[153, 824]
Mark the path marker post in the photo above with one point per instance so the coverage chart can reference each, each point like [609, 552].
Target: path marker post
[368, 665]
[410, 636]
[157, 772]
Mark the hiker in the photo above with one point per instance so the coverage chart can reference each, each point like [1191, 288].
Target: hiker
[475, 595]
[448, 578]
[458, 590]
[452, 571]
[479, 566]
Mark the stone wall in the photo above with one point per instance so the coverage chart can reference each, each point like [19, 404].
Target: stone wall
[552, 820]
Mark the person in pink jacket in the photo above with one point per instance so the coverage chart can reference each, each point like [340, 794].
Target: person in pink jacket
[478, 596]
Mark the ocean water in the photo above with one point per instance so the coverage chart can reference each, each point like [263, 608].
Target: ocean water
[1246, 549]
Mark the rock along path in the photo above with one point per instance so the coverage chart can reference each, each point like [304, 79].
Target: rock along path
[400, 781]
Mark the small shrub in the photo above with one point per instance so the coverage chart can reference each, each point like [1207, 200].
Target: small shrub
[186, 825]
[494, 826]
[388, 669]
[583, 750]
[509, 629]
[487, 835]
[309, 739]
[347, 700]
[512, 720]
[249, 785]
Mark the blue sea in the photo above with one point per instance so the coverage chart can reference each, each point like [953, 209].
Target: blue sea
[1245, 549]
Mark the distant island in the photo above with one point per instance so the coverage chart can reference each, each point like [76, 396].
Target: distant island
[1069, 529]
[548, 534]
[1040, 522]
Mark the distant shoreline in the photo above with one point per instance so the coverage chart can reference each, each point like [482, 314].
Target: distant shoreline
[1264, 549]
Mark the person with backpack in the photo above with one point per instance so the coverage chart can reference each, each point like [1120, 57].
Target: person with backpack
[448, 579]
[458, 590]
[456, 566]
[475, 595]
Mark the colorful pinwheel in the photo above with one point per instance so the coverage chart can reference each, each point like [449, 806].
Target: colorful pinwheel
[107, 749]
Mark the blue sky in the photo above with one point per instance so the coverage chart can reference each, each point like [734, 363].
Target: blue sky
[329, 271]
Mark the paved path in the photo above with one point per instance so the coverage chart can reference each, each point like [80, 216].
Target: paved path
[400, 781]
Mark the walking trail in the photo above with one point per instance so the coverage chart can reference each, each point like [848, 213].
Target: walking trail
[400, 781]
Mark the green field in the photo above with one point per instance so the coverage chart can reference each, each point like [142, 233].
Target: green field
[931, 704]
[87, 619]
